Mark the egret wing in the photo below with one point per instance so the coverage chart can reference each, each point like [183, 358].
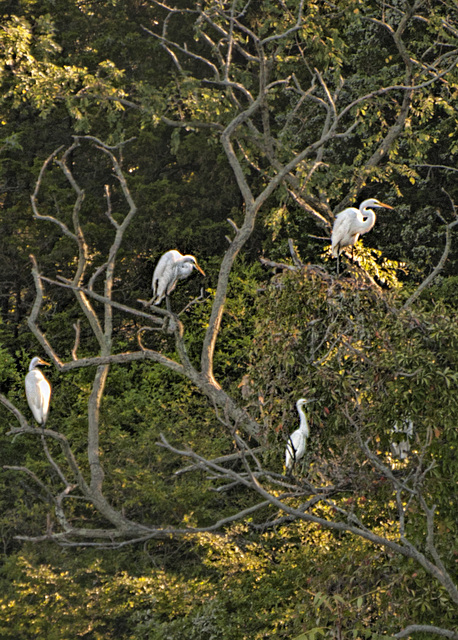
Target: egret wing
[342, 234]
[295, 448]
[44, 390]
[38, 393]
[31, 392]
[164, 277]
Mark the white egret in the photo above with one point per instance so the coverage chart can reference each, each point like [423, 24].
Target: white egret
[351, 223]
[297, 441]
[38, 391]
[172, 266]
[401, 449]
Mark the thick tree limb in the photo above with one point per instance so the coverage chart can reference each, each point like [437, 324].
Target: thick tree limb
[402, 547]
[252, 130]
[426, 628]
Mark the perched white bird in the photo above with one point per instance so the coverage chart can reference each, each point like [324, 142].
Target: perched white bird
[172, 266]
[38, 391]
[401, 449]
[297, 441]
[351, 223]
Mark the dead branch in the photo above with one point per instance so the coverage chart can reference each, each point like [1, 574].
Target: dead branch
[351, 525]
[277, 265]
[426, 628]
[250, 125]
[77, 327]
[440, 265]
[34, 477]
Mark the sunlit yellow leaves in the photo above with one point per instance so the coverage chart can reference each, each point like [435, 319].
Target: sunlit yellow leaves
[42, 82]
[275, 220]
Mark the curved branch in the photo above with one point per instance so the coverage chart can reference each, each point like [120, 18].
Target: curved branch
[34, 198]
[403, 547]
[438, 268]
[426, 628]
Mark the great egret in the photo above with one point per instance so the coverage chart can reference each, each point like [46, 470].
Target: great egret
[351, 223]
[38, 391]
[297, 441]
[401, 449]
[172, 266]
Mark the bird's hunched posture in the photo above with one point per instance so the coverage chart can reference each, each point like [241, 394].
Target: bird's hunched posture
[172, 266]
[351, 223]
[297, 441]
[38, 391]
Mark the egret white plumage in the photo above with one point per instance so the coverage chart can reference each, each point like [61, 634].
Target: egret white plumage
[297, 441]
[351, 223]
[401, 449]
[172, 266]
[38, 391]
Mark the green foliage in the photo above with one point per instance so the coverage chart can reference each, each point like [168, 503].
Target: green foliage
[38, 81]
[294, 575]
[283, 584]
[349, 347]
[90, 67]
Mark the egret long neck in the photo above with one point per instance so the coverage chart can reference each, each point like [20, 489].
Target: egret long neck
[303, 426]
[367, 224]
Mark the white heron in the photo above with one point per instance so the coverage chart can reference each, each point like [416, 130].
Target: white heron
[297, 441]
[401, 449]
[172, 266]
[351, 223]
[38, 391]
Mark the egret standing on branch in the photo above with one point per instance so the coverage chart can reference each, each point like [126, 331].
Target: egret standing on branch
[38, 391]
[351, 223]
[297, 441]
[172, 266]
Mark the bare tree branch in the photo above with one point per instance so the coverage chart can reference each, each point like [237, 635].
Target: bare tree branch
[440, 265]
[250, 136]
[426, 628]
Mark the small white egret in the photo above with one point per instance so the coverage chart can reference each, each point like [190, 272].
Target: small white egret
[401, 449]
[172, 266]
[297, 441]
[38, 391]
[351, 223]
